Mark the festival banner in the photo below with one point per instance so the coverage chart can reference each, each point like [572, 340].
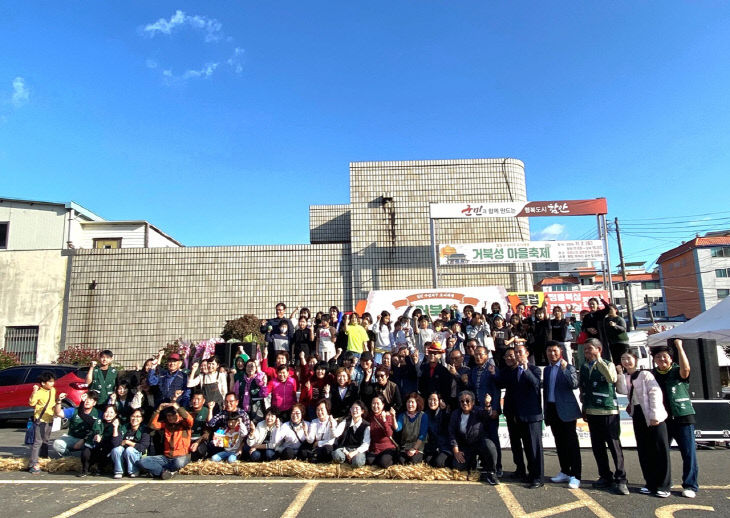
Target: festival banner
[575, 301]
[511, 209]
[432, 301]
[521, 252]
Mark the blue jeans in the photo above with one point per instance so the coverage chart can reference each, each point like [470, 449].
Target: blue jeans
[684, 434]
[339, 457]
[128, 457]
[221, 456]
[262, 455]
[64, 444]
[159, 463]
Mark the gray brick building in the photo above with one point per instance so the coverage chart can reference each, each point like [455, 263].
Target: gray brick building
[135, 300]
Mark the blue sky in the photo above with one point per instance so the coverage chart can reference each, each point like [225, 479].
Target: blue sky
[220, 122]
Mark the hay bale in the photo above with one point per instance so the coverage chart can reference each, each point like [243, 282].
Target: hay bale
[277, 468]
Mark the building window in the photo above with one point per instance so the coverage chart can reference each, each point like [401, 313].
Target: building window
[650, 285]
[23, 341]
[720, 251]
[617, 286]
[721, 294]
[660, 314]
[722, 272]
[4, 234]
[114, 242]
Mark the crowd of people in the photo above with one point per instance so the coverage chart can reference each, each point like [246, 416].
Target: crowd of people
[348, 388]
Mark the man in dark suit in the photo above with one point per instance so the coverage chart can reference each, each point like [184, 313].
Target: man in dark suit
[560, 379]
[523, 412]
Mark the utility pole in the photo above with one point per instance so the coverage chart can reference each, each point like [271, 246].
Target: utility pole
[627, 290]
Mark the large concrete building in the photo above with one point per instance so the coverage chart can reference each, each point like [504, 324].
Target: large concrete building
[134, 300]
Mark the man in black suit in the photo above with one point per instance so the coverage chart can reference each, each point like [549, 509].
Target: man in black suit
[523, 412]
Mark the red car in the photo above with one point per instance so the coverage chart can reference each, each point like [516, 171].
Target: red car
[16, 384]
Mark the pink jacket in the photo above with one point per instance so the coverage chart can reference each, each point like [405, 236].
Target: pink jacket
[283, 395]
[647, 392]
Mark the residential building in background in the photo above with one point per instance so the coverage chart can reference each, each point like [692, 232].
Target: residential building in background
[696, 275]
[644, 289]
[36, 243]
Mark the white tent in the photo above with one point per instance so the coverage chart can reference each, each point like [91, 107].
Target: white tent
[713, 324]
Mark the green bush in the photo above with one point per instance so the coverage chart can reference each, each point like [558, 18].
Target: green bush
[8, 359]
[78, 355]
[244, 329]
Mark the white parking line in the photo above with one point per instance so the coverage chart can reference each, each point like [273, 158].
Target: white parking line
[93, 501]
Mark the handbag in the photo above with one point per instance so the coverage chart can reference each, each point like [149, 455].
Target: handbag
[33, 424]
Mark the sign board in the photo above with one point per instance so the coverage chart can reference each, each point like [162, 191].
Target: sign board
[519, 209]
[577, 299]
[432, 301]
[521, 252]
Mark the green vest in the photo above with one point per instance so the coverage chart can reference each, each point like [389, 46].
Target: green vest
[598, 392]
[77, 427]
[104, 386]
[677, 392]
[199, 422]
[409, 434]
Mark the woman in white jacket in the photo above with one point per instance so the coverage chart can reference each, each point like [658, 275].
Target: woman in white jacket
[646, 408]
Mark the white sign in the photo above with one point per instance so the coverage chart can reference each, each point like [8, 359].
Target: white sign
[521, 252]
[504, 209]
[433, 300]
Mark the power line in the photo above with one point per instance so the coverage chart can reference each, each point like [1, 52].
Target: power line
[677, 217]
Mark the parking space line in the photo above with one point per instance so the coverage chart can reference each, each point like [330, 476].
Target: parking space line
[242, 481]
[668, 511]
[93, 501]
[591, 504]
[302, 496]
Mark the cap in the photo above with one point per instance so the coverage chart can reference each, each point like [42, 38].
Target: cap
[174, 357]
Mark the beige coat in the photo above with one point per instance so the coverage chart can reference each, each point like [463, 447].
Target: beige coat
[648, 393]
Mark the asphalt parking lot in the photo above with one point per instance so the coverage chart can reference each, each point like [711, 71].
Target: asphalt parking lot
[63, 495]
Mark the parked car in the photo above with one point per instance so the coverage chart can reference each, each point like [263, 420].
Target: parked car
[16, 385]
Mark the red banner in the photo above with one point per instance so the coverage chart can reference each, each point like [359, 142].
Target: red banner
[564, 208]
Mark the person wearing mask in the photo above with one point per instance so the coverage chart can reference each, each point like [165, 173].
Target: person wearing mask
[597, 383]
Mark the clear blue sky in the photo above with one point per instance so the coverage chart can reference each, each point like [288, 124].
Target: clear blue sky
[222, 123]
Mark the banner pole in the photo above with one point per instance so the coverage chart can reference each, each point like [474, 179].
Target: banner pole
[608, 257]
[434, 255]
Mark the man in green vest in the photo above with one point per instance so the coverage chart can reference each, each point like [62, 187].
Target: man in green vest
[673, 378]
[80, 421]
[102, 378]
[600, 410]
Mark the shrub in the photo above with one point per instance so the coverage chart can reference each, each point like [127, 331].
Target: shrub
[78, 355]
[8, 359]
[244, 329]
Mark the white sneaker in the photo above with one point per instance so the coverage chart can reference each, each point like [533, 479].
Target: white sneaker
[663, 494]
[689, 493]
[117, 476]
[560, 477]
[644, 491]
[573, 483]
